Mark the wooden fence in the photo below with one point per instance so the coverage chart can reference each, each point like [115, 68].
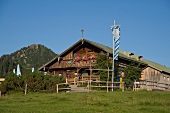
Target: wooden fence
[154, 85]
[92, 84]
[58, 88]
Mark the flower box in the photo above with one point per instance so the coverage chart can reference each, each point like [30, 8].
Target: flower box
[78, 59]
[85, 58]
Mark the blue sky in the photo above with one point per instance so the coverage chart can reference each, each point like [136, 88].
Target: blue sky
[57, 24]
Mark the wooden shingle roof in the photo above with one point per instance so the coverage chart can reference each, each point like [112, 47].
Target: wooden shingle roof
[157, 66]
[122, 54]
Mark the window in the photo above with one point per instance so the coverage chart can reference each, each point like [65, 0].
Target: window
[74, 54]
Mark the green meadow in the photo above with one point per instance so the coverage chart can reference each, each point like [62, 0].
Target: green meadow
[93, 102]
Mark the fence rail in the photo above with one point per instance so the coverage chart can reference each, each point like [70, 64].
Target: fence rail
[92, 84]
[154, 85]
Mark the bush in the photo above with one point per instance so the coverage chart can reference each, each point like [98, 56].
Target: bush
[36, 82]
[132, 73]
[103, 63]
[11, 83]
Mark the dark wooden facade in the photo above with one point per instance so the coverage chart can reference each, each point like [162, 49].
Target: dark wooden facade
[75, 62]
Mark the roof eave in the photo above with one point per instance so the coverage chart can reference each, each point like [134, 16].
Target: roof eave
[41, 68]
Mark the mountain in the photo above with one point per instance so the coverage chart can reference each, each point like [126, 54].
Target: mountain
[34, 55]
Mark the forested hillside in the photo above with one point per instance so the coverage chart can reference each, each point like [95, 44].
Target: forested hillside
[34, 55]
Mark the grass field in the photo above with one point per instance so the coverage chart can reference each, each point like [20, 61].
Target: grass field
[96, 102]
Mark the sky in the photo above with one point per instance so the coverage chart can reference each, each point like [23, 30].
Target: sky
[57, 24]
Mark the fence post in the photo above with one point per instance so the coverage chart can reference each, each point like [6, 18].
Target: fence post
[25, 89]
[134, 84]
[122, 86]
[66, 80]
[107, 86]
[88, 86]
[57, 88]
[74, 81]
[82, 80]
[78, 82]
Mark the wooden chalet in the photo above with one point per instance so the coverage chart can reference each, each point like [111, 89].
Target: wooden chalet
[78, 61]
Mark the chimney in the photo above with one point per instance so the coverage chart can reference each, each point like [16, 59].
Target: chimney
[131, 54]
[140, 57]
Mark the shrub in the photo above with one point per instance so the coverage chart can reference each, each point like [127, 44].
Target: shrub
[36, 82]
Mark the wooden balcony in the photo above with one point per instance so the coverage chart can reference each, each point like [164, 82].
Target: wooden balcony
[84, 78]
[71, 63]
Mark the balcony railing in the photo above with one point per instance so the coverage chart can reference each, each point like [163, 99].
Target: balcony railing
[67, 64]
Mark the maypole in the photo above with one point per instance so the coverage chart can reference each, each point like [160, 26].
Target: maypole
[116, 41]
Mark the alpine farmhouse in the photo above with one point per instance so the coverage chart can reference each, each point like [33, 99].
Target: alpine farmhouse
[76, 63]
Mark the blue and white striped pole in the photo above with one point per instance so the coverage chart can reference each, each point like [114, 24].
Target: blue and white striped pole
[116, 41]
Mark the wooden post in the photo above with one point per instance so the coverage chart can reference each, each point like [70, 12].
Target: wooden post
[57, 88]
[25, 89]
[107, 87]
[88, 86]
[135, 85]
[74, 81]
[78, 82]
[90, 75]
[107, 79]
[99, 83]
[0, 93]
[82, 80]
[66, 80]
[122, 86]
